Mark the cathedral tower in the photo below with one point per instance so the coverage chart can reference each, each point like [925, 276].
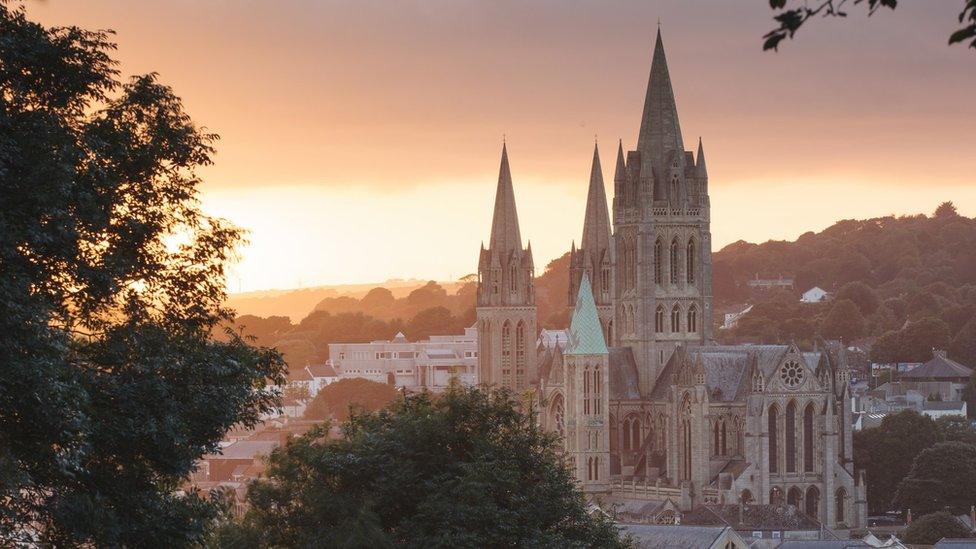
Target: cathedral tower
[662, 294]
[594, 256]
[506, 298]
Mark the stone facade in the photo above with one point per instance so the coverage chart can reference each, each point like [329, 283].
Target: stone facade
[656, 411]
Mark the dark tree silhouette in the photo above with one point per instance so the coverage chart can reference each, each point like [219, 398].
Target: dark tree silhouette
[790, 19]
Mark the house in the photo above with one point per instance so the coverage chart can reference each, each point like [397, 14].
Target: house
[814, 295]
[321, 375]
[764, 284]
[654, 536]
[940, 368]
[937, 409]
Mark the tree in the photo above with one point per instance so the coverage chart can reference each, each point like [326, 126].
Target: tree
[338, 398]
[946, 210]
[929, 529]
[464, 469]
[862, 295]
[887, 452]
[942, 477]
[111, 386]
[844, 321]
[791, 19]
[956, 429]
[913, 343]
[963, 346]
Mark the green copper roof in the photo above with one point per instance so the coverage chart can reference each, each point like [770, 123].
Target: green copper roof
[585, 332]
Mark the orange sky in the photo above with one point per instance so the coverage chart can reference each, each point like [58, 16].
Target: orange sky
[360, 139]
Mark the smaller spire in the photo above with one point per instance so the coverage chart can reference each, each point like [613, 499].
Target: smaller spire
[700, 170]
[585, 331]
[621, 169]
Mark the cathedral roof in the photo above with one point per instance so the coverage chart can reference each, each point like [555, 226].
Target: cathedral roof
[596, 221]
[505, 236]
[624, 382]
[585, 331]
[660, 131]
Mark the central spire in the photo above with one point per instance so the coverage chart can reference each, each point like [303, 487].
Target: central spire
[596, 222]
[660, 131]
[505, 235]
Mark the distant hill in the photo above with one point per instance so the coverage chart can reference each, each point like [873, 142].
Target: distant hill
[297, 303]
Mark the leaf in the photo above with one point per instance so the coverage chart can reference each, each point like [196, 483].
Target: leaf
[963, 34]
[777, 4]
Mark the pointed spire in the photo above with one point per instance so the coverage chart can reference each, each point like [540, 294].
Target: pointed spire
[700, 170]
[585, 331]
[621, 170]
[660, 131]
[505, 235]
[596, 222]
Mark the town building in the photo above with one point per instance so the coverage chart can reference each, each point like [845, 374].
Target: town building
[651, 410]
[814, 295]
[431, 363]
[767, 284]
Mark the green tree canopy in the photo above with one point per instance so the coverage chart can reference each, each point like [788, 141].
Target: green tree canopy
[464, 469]
[336, 399]
[913, 343]
[943, 476]
[844, 321]
[929, 529]
[112, 281]
[862, 295]
[887, 452]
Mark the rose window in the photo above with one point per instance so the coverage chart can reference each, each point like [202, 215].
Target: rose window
[791, 374]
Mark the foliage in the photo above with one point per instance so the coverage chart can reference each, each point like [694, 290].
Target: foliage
[943, 476]
[110, 385]
[887, 452]
[929, 529]
[913, 343]
[791, 19]
[336, 399]
[862, 295]
[844, 321]
[465, 469]
[956, 429]
[963, 346]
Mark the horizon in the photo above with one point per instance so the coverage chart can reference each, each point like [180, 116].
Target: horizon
[297, 162]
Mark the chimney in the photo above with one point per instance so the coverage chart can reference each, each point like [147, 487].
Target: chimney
[940, 353]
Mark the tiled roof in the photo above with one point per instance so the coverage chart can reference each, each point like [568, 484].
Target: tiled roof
[673, 537]
[624, 383]
[585, 331]
[939, 367]
[943, 406]
[321, 370]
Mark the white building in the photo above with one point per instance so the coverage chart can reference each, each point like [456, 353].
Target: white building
[731, 319]
[431, 363]
[814, 295]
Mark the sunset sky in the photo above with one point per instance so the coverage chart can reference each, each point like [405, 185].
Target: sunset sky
[360, 140]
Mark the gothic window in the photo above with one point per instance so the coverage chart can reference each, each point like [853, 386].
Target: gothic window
[690, 261]
[520, 354]
[674, 262]
[631, 323]
[597, 390]
[776, 495]
[596, 467]
[609, 333]
[791, 437]
[633, 263]
[715, 437]
[659, 319]
[657, 261]
[808, 438]
[773, 428]
[693, 319]
[724, 439]
[559, 415]
[676, 319]
[613, 434]
[513, 279]
[674, 188]
[586, 390]
[686, 439]
[668, 517]
[813, 502]
[791, 374]
[605, 280]
[840, 516]
[507, 354]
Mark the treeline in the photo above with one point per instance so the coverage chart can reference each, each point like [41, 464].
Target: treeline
[378, 315]
[908, 281]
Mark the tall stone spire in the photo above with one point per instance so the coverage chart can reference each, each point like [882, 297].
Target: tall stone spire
[596, 223]
[505, 235]
[700, 170]
[660, 131]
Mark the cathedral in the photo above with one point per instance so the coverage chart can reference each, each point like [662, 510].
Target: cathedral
[650, 409]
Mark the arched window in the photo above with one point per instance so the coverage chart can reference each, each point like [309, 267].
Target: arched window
[613, 434]
[610, 333]
[586, 390]
[690, 262]
[813, 502]
[676, 319]
[597, 389]
[776, 495]
[773, 442]
[605, 280]
[674, 262]
[657, 261]
[631, 323]
[520, 355]
[513, 280]
[693, 319]
[659, 319]
[715, 437]
[808, 438]
[506, 354]
[794, 497]
[596, 467]
[791, 437]
[635, 433]
[841, 498]
[725, 447]
[557, 413]
[686, 438]
[589, 468]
